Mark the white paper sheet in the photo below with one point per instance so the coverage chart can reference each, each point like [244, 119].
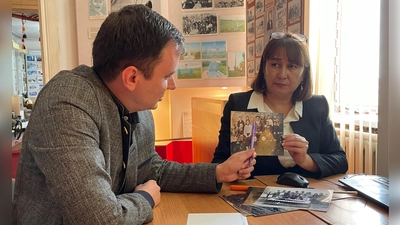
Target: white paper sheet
[216, 219]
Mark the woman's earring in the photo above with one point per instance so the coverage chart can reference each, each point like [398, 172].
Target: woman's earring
[301, 86]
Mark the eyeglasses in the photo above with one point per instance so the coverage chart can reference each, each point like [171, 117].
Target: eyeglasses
[281, 35]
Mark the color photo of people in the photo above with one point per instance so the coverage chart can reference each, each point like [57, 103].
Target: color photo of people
[268, 132]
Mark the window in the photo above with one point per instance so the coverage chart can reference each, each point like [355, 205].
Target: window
[357, 56]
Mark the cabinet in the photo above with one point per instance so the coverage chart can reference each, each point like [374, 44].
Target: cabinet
[206, 122]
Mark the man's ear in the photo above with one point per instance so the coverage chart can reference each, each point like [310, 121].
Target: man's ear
[129, 77]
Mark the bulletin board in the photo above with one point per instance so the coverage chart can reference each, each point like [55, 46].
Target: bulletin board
[264, 17]
[34, 74]
[215, 42]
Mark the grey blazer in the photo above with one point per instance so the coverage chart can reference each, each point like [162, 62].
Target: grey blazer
[71, 159]
[315, 125]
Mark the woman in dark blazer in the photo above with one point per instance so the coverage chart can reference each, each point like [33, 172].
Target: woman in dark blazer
[284, 85]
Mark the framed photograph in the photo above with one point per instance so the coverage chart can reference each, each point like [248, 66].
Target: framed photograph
[294, 11]
[236, 64]
[250, 51]
[260, 26]
[30, 58]
[258, 62]
[259, 46]
[232, 23]
[196, 4]
[199, 24]
[192, 51]
[250, 14]
[32, 73]
[213, 50]
[259, 7]
[250, 68]
[189, 70]
[214, 69]
[97, 9]
[226, 4]
[281, 17]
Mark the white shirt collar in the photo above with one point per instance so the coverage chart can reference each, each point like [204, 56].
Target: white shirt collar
[257, 101]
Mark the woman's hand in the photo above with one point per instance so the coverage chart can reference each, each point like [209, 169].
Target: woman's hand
[297, 147]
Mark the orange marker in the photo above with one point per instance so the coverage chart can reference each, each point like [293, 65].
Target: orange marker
[234, 187]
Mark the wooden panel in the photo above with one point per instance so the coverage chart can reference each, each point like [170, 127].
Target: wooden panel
[26, 6]
[206, 117]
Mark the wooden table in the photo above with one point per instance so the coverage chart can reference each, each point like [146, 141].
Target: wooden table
[343, 209]
[175, 207]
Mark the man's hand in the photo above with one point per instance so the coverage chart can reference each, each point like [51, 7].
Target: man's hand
[153, 189]
[236, 166]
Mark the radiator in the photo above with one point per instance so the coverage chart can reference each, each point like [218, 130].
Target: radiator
[361, 148]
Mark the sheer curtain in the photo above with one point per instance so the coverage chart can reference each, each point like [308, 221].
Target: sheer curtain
[344, 48]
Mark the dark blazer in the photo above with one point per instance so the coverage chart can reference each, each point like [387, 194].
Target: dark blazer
[315, 125]
[69, 171]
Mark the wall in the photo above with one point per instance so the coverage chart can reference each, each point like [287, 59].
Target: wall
[58, 36]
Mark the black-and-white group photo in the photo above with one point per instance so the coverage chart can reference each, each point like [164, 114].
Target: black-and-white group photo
[228, 3]
[199, 24]
[299, 198]
[196, 4]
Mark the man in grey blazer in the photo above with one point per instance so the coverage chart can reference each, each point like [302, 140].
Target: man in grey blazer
[88, 154]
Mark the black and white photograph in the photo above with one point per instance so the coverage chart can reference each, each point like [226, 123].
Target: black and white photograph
[295, 28]
[280, 4]
[196, 4]
[259, 7]
[281, 18]
[236, 200]
[298, 198]
[263, 128]
[250, 14]
[258, 61]
[97, 9]
[250, 51]
[250, 31]
[199, 24]
[260, 26]
[228, 3]
[294, 11]
[259, 46]
[250, 68]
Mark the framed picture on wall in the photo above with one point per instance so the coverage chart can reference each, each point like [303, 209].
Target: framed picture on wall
[196, 4]
[97, 9]
[199, 24]
[228, 4]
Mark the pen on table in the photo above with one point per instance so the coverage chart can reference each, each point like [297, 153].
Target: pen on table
[253, 133]
[236, 187]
